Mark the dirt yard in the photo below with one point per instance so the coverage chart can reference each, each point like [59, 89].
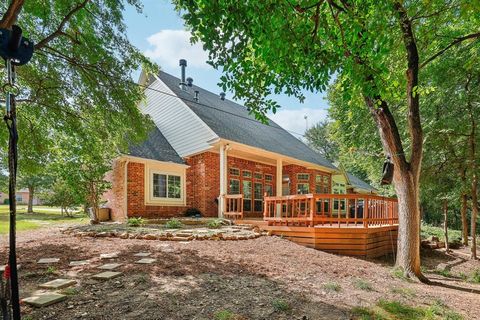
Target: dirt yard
[263, 278]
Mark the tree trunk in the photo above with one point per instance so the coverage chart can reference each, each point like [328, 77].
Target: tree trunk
[408, 251]
[445, 223]
[473, 226]
[464, 199]
[31, 190]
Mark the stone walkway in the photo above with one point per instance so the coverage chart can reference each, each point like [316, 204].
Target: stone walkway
[50, 292]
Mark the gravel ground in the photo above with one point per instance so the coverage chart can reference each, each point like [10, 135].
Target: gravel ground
[263, 278]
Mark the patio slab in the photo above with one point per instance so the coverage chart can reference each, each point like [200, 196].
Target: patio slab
[146, 261]
[48, 260]
[78, 263]
[142, 254]
[109, 266]
[44, 299]
[58, 284]
[112, 255]
[107, 275]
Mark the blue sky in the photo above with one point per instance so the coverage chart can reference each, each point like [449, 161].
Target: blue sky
[159, 32]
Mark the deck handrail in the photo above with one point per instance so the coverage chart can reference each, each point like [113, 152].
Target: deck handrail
[233, 206]
[332, 209]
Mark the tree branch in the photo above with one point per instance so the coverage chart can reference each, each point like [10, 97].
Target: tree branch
[454, 42]
[10, 16]
[59, 31]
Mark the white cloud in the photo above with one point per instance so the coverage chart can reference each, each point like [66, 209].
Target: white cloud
[293, 119]
[168, 46]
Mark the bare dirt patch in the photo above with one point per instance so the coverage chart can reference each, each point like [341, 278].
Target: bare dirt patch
[263, 278]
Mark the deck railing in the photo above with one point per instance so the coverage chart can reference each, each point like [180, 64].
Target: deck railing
[331, 209]
[233, 206]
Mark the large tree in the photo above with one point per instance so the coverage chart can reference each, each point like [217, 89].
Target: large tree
[318, 137]
[378, 48]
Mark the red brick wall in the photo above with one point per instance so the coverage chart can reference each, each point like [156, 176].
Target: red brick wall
[292, 170]
[136, 196]
[203, 186]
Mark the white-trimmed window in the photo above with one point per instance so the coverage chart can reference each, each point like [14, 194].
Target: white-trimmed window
[234, 172]
[268, 178]
[258, 175]
[247, 173]
[166, 186]
[303, 176]
[303, 188]
[234, 186]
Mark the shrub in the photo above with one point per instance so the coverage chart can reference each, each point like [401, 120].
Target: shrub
[475, 277]
[173, 224]
[135, 222]
[214, 224]
[280, 305]
[226, 315]
[332, 286]
[362, 285]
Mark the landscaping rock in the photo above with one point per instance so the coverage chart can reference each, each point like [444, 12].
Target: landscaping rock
[142, 254]
[44, 299]
[112, 255]
[78, 263]
[150, 237]
[146, 261]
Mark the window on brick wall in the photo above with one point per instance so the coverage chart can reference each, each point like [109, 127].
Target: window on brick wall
[302, 188]
[258, 175]
[234, 172]
[234, 187]
[268, 178]
[303, 176]
[247, 173]
[269, 190]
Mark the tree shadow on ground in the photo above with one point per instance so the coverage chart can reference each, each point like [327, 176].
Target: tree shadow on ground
[181, 284]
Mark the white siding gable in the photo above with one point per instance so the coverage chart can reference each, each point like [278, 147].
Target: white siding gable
[184, 130]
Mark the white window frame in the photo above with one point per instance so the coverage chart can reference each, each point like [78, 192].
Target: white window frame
[167, 170]
[303, 174]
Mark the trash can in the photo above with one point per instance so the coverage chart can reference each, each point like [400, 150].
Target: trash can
[103, 214]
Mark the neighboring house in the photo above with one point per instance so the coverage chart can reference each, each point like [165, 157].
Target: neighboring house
[203, 148]
[345, 182]
[22, 197]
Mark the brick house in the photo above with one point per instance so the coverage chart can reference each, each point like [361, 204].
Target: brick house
[203, 148]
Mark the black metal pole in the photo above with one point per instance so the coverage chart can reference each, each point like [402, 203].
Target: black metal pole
[11, 121]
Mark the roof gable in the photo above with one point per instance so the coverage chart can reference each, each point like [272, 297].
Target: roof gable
[155, 147]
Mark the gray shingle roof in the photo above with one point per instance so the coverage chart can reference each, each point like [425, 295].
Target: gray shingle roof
[232, 121]
[155, 147]
[359, 183]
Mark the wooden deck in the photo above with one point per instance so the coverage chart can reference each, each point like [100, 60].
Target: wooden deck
[354, 225]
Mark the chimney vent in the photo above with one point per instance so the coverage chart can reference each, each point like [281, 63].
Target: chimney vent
[222, 95]
[183, 65]
[195, 96]
[190, 81]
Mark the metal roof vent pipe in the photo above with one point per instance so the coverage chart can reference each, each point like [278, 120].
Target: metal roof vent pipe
[222, 95]
[183, 65]
[195, 95]
[190, 82]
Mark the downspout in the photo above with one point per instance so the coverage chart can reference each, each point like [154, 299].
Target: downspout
[125, 184]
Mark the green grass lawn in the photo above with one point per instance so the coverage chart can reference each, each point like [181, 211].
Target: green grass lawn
[42, 217]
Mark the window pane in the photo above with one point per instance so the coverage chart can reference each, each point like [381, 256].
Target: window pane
[247, 189]
[318, 178]
[258, 175]
[174, 187]
[269, 189]
[268, 177]
[234, 186]
[247, 174]
[303, 176]
[159, 185]
[302, 188]
[318, 188]
[258, 191]
[234, 172]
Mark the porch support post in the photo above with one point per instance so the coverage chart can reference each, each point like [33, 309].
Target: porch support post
[279, 183]
[223, 180]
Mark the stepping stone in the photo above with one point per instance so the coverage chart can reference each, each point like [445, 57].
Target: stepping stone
[107, 275]
[78, 263]
[110, 266]
[48, 260]
[58, 284]
[112, 255]
[146, 261]
[142, 254]
[44, 299]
